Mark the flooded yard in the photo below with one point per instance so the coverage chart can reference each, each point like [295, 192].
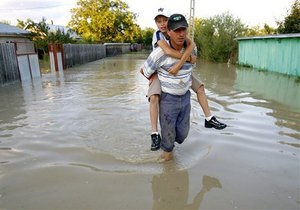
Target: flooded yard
[80, 139]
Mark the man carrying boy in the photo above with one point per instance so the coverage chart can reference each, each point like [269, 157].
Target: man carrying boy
[174, 105]
[160, 39]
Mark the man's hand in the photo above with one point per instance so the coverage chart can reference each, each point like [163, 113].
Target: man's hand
[142, 72]
[151, 78]
[193, 59]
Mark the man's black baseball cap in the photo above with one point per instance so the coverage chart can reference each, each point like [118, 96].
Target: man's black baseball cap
[176, 21]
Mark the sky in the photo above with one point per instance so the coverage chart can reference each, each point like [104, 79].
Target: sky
[251, 12]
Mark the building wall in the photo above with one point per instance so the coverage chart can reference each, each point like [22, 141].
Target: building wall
[8, 39]
[272, 54]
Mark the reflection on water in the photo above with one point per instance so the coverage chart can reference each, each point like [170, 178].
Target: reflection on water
[93, 120]
[168, 181]
[277, 95]
[270, 86]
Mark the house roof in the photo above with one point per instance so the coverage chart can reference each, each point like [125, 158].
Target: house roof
[277, 36]
[12, 30]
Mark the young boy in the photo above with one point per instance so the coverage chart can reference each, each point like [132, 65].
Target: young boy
[160, 38]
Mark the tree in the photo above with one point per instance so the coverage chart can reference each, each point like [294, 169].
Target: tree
[7, 22]
[215, 37]
[60, 36]
[104, 21]
[147, 35]
[41, 35]
[38, 32]
[257, 31]
[291, 23]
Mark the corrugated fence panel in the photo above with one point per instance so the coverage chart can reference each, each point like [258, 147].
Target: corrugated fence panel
[24, 67]
[59, 61]
[82, 53]
[35, 66]
[8, 63]
[113, 49]
[278, 55]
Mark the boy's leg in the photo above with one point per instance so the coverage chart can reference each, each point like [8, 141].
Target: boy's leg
[210, 120]
[153, 108]
[154, 92]
[198, 88]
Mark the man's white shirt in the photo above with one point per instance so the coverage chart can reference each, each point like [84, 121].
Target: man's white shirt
[175, 85]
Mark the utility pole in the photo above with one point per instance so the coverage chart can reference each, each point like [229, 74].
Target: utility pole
[191, 21]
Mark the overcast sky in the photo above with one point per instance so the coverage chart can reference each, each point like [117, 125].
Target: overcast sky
[251, 12]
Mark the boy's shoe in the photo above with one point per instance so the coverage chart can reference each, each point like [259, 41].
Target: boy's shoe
[214, 123]
[155, 145]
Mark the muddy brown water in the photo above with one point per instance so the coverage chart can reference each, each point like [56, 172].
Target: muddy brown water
[81, 140]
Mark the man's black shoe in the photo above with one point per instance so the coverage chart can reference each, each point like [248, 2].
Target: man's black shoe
[214, 123]
[155, 145]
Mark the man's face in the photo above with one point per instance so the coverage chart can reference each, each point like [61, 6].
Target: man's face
[178, 36]
[161, 23]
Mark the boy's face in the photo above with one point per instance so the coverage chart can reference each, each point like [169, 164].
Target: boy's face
[161, 23]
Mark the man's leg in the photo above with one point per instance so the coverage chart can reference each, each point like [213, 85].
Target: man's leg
[169, 108]
[166, 156]
[183, 119]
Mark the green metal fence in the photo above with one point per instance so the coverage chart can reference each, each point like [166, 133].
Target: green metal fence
[278, 53]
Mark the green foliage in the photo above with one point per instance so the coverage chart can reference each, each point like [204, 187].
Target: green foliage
[59, 36]
[7, 22]
[41, 34]
[291, 23]
[147, 35]
[257, 31]
[38, 32]
[104, 21]
[215, 36]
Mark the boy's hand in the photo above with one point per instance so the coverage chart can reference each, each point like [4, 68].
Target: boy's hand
[174, 69]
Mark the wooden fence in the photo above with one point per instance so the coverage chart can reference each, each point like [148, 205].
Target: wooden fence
[8, 63]
[113, 49]
[16, 58]
[74, 54]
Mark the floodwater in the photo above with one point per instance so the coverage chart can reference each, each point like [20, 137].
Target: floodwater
[81, 140]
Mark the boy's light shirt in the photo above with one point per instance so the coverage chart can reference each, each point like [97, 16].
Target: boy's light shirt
[175, 85]
[157, 35]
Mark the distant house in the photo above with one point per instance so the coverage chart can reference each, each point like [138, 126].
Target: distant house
[10, 34]
[65, 30]
[13, 34]
[18, 59]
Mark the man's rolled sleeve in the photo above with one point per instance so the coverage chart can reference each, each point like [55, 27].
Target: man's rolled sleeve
[149, 66]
